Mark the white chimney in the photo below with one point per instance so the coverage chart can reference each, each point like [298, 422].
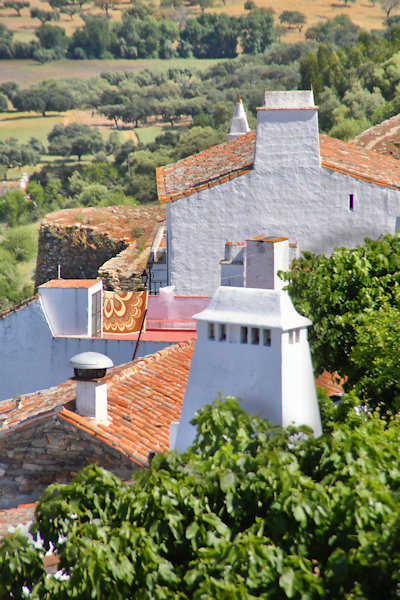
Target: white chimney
[91, 388]
[264, 257]
[287, 132]
[252, 343]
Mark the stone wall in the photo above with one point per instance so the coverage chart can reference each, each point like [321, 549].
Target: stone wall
[50, 451]
[108, 242]
[79, 250]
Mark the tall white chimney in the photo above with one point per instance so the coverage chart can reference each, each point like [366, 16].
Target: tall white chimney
[91, 388]
[252, 343]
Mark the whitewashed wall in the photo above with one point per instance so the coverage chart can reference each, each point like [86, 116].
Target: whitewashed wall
[31, 359]
[309, 206]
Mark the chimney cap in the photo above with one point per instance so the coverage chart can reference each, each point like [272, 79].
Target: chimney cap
[91, 360]
[90, 365]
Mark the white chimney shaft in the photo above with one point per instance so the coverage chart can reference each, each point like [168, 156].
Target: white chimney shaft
[91, 389]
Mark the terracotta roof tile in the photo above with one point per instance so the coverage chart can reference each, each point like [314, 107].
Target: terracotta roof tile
[144, 397]
[221, 163]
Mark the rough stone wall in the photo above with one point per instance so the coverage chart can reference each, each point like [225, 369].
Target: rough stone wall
[79, 251]
[51, 451]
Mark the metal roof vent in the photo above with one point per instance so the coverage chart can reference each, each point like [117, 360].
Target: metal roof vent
[90, 365]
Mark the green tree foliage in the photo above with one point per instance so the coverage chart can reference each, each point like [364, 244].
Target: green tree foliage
[74, 139]
[52, 37]
[251, 511]
[50, 96]
[340, 31]
[293, 18]
[341, 294]
[92, 40]
[210, 36]
[13, 154]
[20, 242]
[17, 5]
[257, 31]
[43, 15]
[3, 102]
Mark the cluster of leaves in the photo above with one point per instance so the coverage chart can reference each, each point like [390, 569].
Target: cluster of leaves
[251, 510]
[13, 154]
[353, 299]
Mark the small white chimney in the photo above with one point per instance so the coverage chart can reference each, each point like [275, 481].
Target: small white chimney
[91, 388]
[264, 257]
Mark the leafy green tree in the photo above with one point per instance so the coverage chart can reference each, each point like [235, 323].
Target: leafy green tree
[339, 293]
[257, 31]
[20, 242]
[42, 15]
[293, 18]
[211, 36]
[91, 41]
[3, 102]
[250, 511]
[340, 31]
[6, 42]
[17, 5]
[52, 96]
[52, 36]
[74, 139]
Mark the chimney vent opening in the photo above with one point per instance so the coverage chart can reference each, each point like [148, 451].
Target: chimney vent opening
[90, 365]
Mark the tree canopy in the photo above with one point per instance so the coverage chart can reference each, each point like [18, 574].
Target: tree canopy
[352, 297]
[250, 511]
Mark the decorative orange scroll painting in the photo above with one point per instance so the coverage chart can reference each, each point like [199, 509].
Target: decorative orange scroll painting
[123, 311]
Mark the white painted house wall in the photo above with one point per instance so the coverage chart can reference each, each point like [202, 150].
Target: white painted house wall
[32, 359]
[286, 194]
[275, 381]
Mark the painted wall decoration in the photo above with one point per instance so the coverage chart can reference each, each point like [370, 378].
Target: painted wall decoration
[123, 311]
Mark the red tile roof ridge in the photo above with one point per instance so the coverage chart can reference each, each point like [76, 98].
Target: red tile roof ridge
[235, 158]
[70, 283]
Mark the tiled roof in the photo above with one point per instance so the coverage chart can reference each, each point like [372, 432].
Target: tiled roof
[11, 517]
[384, 138]
[144, 397]
[70, 283]
[221, 163]
[206, 169]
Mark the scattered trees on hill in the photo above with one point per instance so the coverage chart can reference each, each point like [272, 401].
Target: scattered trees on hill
[17, 5]
[53, 96]
[13, 154]
[293, 18]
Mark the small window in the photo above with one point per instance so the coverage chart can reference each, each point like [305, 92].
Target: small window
[291, 336]
[297, 332]
[266, 337]
[255, 336]
[243, 335]
[96, 314]
[211, 331]
[222, 333]
[351, 202]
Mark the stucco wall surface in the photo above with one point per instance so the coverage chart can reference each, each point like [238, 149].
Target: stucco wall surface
[31, 359]
[243, 370]
[310, 206]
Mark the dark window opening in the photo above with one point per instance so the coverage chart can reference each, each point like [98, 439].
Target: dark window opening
[351, 201]
[243, 335]
[211, 332]
[222, 333]
[266, 337]
[255, 335]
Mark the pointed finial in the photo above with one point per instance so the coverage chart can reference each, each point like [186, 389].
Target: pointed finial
[239, 98]
[311, 87]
